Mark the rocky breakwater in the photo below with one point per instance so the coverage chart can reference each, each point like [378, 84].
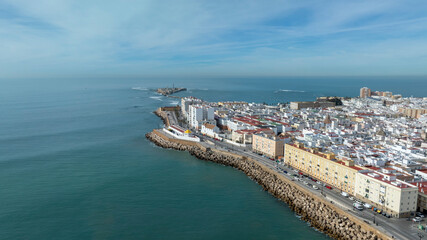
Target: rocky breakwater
[320, 214]
[162, 115]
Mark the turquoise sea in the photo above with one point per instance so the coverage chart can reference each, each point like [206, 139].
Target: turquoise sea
[74, 162]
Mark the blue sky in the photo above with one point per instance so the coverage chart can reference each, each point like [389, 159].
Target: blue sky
[195, 37]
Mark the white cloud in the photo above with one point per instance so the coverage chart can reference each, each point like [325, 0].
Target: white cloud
[64, 37]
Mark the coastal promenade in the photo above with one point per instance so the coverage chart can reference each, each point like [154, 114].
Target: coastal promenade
[379, 226]
[319, 212]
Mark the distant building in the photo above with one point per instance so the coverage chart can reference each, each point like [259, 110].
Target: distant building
[365, 92]
[316, 104]
[268, 145]
[413, 112]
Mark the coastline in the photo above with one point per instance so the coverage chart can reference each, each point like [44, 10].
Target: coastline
[321, 214]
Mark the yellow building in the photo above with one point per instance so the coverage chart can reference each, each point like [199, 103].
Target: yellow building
[268, 145]
[387, 193]
[322, 166]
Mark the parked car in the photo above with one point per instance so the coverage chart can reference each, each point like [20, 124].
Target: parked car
[418, 214]
[379, 211]
[296, 178]
[289, 174]
[305, 183]
[295, 170]
[315, 187]
[351, 198]
[367, 205]
[387, 215]
[319, 182]
[359, 202]
[328, 187]
[417, 219]
[344, 194]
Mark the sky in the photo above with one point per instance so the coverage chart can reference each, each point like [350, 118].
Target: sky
[54, 38]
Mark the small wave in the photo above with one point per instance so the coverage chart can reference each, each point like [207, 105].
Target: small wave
[174, 102]
[197, 89]
[159, 98]
[289, 90]
[140, 88]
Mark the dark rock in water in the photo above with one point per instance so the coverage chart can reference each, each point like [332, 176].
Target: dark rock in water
[169, 91]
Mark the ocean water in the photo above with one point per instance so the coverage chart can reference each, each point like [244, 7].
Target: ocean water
[74, 162]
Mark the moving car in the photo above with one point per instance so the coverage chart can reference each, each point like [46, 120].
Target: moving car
[417, 219]
[344, 194]
[328, 187]
[305, 183]
[358, 206]
[284, 171]
[351, 198]
[367, 205]
[315, 187]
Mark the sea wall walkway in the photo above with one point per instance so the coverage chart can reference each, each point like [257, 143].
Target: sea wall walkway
[320, 213]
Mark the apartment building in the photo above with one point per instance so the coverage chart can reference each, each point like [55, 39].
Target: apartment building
[268, 145]
[200, 114]
[396, 197]
[323, 166]
[365, 92]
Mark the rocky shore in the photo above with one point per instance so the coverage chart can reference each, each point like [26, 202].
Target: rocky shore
[320, 214]
[162, 115]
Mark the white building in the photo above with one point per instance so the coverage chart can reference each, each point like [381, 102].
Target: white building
[198, 114]
[209, 130]
[186, 103]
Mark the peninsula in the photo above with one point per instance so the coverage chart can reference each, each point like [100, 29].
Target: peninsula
[169, 91]
[342, 167]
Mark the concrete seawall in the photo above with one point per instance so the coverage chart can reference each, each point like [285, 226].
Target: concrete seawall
[321, 214]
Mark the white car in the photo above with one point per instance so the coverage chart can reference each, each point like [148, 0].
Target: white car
[367, 205]
[351, 198]
[344, 194]
[315, 187]
[319, 182]
[417, 219]
[289, 174]
[358, 206]
[296, 178]
[305, 182]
